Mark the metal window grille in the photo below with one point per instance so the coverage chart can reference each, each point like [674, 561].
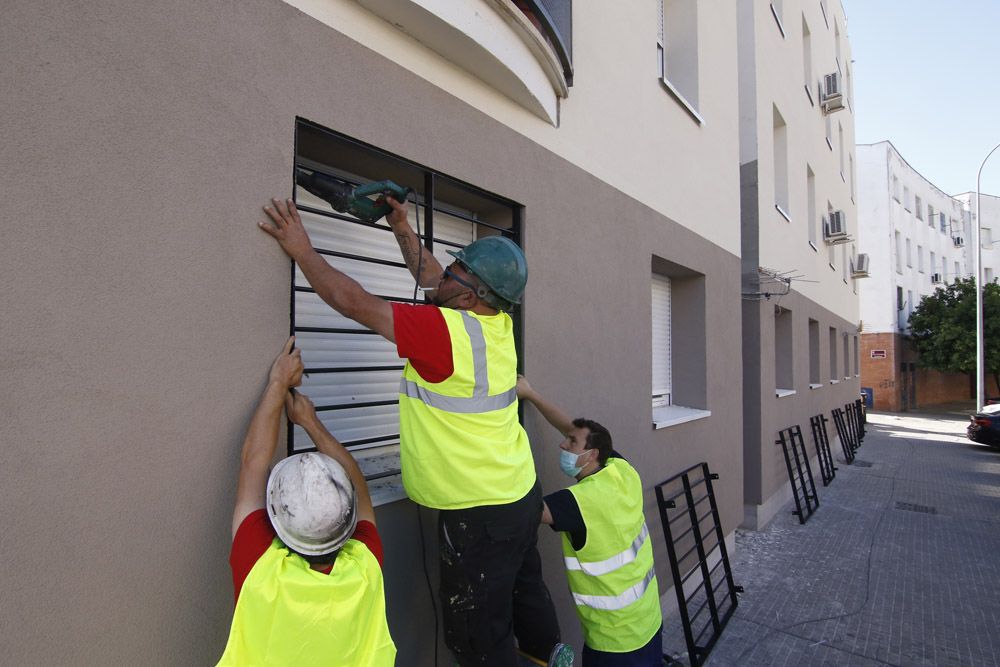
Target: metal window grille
[353, 373]
[843, 432]
[799, 472]
[820, 436]
[696, 545]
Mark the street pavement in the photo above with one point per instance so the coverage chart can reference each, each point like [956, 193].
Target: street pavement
[898, 566]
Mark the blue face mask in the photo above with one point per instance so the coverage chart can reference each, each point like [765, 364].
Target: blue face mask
[567, 461]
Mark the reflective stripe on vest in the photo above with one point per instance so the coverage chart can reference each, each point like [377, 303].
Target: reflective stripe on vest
[288, 613]
[461, 444]
[480, 401]
[620, 601]
[613, 563]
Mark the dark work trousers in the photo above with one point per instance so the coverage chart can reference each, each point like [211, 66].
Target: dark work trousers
[491, 583]
[650, 655]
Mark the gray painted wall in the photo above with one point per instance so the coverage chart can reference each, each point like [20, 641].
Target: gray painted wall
[139, 143]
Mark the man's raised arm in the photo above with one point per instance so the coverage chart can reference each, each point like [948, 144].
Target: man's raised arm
[340, 291]
[553, 415]
[414, 252]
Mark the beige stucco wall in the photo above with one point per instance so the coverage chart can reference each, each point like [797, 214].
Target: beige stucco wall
[774, 64]
[617, 123]
[143, 306]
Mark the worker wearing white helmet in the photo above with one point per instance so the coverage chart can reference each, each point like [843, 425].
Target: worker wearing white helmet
[306, 557]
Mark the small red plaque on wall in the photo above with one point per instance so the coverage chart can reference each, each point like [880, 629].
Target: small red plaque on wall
[878, 354]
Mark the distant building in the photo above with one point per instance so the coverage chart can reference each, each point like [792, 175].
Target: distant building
[917, 238]
[799, 231]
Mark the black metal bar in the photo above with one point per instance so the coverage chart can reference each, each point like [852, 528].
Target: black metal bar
[675, 574]
[822, 441]
[791, 477]
[723, 550]
[350, 406]
[708, 586]
[399, 299]
[798, 444]
[843, 435]
[335, 330]
[354, 369]
[360, 258]
[702, 558]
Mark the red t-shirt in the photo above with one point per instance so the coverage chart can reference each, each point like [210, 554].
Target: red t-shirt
[422, 337]
[256, 533]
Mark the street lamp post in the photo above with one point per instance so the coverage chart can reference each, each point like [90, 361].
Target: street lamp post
[980, 362]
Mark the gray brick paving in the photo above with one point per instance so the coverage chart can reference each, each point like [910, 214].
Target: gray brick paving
[866, 583]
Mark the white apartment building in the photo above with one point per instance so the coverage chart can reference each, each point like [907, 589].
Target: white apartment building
[143, 140]
[799, 232]
[916, 238]
[989, 232]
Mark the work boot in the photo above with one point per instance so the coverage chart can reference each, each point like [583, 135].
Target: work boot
[562, 656]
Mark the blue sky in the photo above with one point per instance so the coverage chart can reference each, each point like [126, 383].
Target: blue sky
[927, 78]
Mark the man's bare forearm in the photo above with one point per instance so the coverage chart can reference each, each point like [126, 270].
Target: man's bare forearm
[553, 415]
[329, 445]
[413, 250]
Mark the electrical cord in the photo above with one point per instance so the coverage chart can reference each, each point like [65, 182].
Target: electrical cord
[420, 520]
[427, 578]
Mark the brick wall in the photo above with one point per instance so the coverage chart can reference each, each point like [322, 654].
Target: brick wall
[881, 374]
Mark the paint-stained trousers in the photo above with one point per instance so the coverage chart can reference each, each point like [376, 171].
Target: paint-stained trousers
[491, 583]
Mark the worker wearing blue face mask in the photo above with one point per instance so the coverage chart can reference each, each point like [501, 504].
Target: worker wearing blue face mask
[606, 547]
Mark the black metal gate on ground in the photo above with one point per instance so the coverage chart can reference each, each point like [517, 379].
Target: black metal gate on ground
[822, 439]
[843, 432]
[799, 472]
[696, 545]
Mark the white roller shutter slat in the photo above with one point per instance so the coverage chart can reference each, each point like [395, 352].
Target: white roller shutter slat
[660, 311]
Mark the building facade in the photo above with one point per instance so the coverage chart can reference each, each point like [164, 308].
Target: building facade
[799, 231]
[917, 238]
[140, 144]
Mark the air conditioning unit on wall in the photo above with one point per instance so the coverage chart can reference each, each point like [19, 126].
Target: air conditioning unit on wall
[959, 241]
[833, 96]
[935, 277]
[835, 229]
[860, 268]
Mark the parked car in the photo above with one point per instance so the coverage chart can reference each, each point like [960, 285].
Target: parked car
[984, 426]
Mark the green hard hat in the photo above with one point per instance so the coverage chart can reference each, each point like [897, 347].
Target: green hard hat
[498, 263]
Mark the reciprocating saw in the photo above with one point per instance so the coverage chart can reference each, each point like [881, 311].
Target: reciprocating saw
[356, 201]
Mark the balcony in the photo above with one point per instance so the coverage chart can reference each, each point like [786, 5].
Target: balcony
[521, 48]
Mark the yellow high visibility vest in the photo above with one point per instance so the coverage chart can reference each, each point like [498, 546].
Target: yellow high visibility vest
[290, 614]
[461, 444]
[612, 577]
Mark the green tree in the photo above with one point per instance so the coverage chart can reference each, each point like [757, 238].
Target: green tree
[943, 328]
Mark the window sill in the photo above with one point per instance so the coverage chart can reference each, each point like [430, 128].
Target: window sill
[842, 177]
[847, 378]
[781, 393]
[832, 267]
[809, 94]
[777, 207]
[834, 381]
[387, 487]
[815, 385]
[672, 415]
[813, 246]
[829, 143]
[683, 101]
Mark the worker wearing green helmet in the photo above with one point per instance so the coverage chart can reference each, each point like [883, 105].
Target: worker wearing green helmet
[462, 448]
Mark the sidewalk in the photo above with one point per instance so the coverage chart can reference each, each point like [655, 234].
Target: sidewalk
[898, 566]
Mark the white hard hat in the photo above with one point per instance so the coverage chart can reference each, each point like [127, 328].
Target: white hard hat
[312, 503]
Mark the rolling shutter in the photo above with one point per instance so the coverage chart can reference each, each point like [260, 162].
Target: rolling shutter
[661, 340]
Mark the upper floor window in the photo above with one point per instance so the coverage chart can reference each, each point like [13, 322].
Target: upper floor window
[677, 51]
